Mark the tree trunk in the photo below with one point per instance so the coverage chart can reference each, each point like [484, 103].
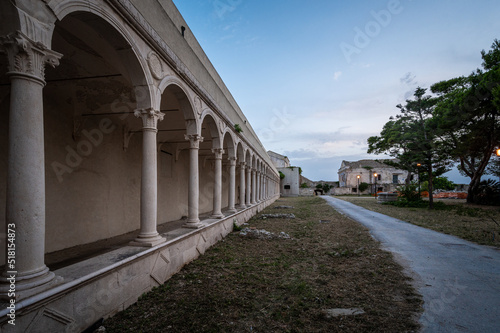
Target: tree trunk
[475, 180]
[431, 187]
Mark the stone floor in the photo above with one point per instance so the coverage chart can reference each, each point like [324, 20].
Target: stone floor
[63, 258]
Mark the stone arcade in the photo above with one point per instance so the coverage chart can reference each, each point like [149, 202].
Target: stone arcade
[115, 129]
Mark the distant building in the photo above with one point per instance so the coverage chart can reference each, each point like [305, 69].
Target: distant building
[289, 185]
[380, 176]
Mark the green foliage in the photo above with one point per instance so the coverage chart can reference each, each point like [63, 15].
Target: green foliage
[409, 193]
[363, 187]
[304, 185]
[319, 186]
[300, 170]
[236, 227]
[326, 187]
[487, 193]
[468, 117]
[237, 128]
[282, 175]
[440, 183]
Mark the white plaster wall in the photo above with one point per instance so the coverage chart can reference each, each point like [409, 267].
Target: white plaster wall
[292, 179]
[100, 198]
[173, 187]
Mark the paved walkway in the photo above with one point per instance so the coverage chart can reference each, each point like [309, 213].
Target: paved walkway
[459, 280]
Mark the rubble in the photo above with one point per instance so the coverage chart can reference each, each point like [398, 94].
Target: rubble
[277, 216]
[263, 234]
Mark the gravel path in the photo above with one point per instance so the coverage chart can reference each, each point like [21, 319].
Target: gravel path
[459, 280]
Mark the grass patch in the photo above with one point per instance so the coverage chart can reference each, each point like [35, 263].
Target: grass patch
[282, 285]
[479, 224]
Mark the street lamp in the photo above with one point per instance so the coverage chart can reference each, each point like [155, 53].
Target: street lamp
[358, 176]
[375, 176]
[497, 152]
[418, 173]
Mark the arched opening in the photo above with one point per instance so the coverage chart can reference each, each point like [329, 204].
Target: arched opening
[211, 141]
[173, 157]
[229, 152]
[92, 139]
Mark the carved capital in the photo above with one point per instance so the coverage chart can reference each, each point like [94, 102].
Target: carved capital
[232, 161]
[26, 57]
[149, 118]
[218, 153]
[194, 140]
[242, 165]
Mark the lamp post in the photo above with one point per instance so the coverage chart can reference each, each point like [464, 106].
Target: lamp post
[375, 177]
[358, 176]
[418, 173]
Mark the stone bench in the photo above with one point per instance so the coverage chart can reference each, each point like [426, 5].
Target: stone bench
[386, 197]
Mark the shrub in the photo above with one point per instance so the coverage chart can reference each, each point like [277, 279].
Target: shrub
[282, 175]
[363, 187]
[409, 193]
[304, 185]
[487, 193]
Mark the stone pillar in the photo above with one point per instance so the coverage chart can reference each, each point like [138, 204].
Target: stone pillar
[232, 184]
[264, 182]
[259, 185]
[148, 236]
[242, 186]
[193, 220]
[254, 187]
[249, 186]
[217, 212]
[25, 215]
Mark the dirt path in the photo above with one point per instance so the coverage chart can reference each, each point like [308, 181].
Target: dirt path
[459, 280]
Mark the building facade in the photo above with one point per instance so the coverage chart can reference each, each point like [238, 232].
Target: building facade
[290, 183]
[379, 176]
[115, 129]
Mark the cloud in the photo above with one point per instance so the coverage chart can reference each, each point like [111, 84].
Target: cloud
[337, 75]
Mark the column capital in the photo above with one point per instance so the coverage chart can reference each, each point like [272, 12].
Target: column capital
[242, 165]
[194, 140]
[150, 118]
[232, 161]
[27, 58]
[218, 153]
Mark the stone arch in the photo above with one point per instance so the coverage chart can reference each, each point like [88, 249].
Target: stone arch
[102, 17]
[228, 143]
[240, 152]
[211, 120]
[187, 106]
[89, 104]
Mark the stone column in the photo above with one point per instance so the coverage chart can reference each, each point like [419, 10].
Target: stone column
[264, 183]
[217, 212]
[25, 214]
[254, 187]
[249, 186]
[259, 186]
[242, 186]
[148, 236]
[232, 184]
[193, 220]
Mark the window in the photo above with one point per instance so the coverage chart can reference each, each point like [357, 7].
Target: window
[287, 187]
[379, 177]
[354, 190]
[395, 179]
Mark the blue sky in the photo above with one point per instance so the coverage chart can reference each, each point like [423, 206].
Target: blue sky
[317, 78]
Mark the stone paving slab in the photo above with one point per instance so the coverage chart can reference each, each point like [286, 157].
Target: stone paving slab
[459, 280]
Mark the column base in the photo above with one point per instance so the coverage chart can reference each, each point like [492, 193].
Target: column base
[148, 241]
[242, 206]
[232, 211]
[217, 216]
[195, 224]
[29, 285]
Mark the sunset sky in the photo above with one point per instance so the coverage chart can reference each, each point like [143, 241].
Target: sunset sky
[317, 78]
